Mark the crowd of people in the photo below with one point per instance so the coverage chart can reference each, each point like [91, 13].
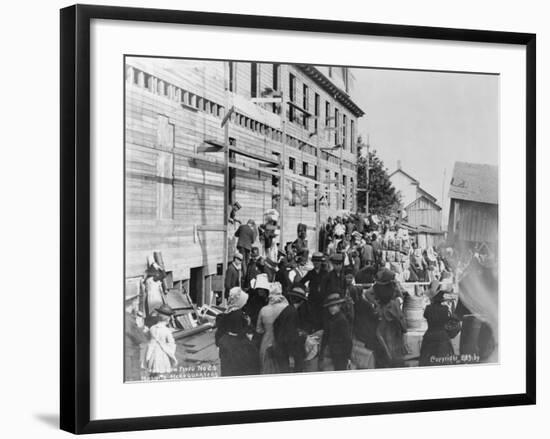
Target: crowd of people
[341, 306]
[321, 310]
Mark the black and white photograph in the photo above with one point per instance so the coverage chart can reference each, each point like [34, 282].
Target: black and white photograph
[299, 218]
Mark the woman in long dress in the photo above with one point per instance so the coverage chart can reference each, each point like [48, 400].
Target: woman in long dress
[436, 348]
[266, 319]
[160, 357]
[238, 354]
[392, 325]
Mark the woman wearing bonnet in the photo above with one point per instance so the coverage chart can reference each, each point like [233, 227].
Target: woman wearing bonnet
[268, 314]
[238, 355]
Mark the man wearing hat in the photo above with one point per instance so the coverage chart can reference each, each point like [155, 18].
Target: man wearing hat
[258, 297]
[246, 234]
[289, 339]
[313, 281]
[255, 267]
[134, 337]
[334, 282]
[233, 274]
[233, 212]
[337, 340]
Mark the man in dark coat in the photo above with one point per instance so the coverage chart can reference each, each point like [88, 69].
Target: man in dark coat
[134, 337]
[337, 341]
[314, 279]
[289, 339]
[246, 234]
[233, 275]
[334, 282]
[365, 275]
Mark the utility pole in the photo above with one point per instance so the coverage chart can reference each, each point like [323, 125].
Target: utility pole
[367, 176]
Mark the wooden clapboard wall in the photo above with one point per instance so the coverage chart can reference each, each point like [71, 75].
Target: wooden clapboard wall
[172, 107]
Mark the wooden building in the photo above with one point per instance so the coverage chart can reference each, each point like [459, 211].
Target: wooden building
[473, 214]
[420, 207]
[289, 129]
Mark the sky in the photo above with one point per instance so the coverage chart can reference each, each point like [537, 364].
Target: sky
[429, 120]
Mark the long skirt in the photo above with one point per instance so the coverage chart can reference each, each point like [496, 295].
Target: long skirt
[436, 349]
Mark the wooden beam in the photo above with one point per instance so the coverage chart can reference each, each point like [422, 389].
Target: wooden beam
[255, 156]
[227, 115]
[210, 228]
[271, 100]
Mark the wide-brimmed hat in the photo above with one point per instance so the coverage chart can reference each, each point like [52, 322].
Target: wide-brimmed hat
[260, 281]
[385, 277]
[238, 255]
[317, 257]
[333, 299]
[298, 292]
[165, 310]
[237, 298]
[337, 258]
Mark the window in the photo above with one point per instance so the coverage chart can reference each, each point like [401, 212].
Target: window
[254, 80]
[352, 135]
[291, 95]
[231, 80]
[327, 120]
[291, 164]
[351, 194]
[305, 169]
[344, 131]
[327, 193]
[344, 191]
[336, 126]
[276, 68]
[316, 110]
[305, 106]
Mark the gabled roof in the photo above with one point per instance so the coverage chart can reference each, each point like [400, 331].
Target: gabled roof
[428, 199]
[474, 182]
[414, 180]
[423, 192]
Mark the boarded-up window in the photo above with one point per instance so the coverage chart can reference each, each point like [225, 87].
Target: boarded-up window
[165, 132]
[165, 185]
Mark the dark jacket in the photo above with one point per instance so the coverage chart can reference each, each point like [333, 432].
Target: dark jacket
[288, 340]
[316, 295]
[436, 341]
[238, 355]
[365, 275]
[246, 235]
[337, 339]
[134, 337]
[333, 284]
[232, 278]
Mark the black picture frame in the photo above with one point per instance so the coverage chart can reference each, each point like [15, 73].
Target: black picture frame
[75, 216]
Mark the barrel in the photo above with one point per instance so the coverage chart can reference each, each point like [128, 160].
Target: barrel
[413, 308]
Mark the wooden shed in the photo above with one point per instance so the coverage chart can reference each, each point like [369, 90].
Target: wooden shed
[473, 194]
